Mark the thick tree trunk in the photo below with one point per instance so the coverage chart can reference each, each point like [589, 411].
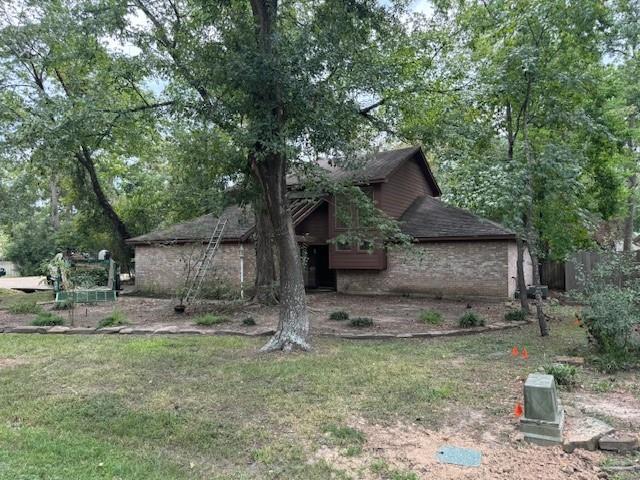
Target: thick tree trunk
[85, 159]
[521, 282]
[265, 287]
[293, 326]
[270, 166]
[630, 219]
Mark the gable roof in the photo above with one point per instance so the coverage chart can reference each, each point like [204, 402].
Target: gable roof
[375, 169]
[430, 219]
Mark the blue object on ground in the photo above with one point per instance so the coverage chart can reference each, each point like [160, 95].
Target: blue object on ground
[466, 457]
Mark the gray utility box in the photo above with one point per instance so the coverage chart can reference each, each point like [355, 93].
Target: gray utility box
[543, 414]
[531, 292]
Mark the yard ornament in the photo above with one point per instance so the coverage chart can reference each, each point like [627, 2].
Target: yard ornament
[525, 354]
[514, 351]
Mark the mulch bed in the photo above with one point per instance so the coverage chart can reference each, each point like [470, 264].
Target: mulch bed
[392, 315]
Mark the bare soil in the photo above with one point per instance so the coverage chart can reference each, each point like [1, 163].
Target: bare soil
[412, 448]
[391, 314]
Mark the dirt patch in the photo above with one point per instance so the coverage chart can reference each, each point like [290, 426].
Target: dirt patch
[621, 409]
[10, 362]
[412, 448]
[391, 314]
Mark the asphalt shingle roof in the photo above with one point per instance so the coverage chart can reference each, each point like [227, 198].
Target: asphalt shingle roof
[431, 219]
[240, 223]
[376, 168]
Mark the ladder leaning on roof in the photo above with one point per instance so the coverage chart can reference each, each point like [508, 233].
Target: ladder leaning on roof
[207, 261]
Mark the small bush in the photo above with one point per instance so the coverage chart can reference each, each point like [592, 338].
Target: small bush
[339, 315]
[249, 321]
[431, 317]
[209, 320]
[515, 316]
[116, 319]
[24, 308]
[471, 319]
[361, 322]
[47, 319]
[565, 375]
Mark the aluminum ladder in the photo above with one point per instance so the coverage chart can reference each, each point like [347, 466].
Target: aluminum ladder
[206, 262]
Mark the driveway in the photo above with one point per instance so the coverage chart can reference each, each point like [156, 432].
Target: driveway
[25, 283]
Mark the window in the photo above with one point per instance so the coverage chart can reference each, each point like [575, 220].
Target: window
[346, 211]
[343, 245]
[365, 246]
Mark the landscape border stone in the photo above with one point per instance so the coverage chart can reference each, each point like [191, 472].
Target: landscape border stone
[175, 330]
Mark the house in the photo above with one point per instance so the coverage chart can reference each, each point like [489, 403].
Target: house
[455, 253]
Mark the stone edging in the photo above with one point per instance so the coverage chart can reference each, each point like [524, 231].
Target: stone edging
[173, 330]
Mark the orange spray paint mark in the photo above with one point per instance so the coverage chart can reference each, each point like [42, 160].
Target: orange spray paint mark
[517, 411]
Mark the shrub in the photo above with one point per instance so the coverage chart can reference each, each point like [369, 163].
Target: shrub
[339, 315]
[610, 319]
[565, 375]
[25, 307]
[47, 319]
[209, 320]
[431, 317]
[116, 319]
[471, 319]
[361, 322]
[249, 321]
[611, 312]
[515, 316]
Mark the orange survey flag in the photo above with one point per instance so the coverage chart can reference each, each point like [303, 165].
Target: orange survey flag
[525, 354]
[514, 351]
[517, 411]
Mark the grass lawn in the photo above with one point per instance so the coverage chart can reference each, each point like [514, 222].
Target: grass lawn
[9, 298]
[115, 407]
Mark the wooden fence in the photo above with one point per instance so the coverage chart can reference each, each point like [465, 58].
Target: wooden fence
[566, 275]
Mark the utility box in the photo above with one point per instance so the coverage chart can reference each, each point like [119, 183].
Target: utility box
[543, 413]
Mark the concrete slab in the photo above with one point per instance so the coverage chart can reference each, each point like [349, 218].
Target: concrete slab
[619, 442]
[585, 433]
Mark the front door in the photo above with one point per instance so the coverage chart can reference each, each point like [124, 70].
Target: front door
[317, 271]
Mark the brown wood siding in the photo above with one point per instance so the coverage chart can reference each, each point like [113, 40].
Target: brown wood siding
[403, 187]
[354, 259]
[316, 226]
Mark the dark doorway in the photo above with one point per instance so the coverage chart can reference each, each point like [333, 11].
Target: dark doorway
[318, 274]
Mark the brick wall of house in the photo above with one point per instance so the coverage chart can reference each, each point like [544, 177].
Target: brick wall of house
[161, 268]
[450, 269]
